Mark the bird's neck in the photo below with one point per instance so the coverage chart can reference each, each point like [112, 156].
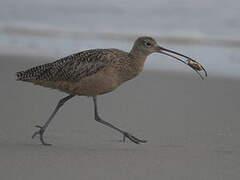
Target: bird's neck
[134, 65]
[137, 58]
[137, 53]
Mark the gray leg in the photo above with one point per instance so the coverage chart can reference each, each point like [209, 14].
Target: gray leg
[125, 134]
[43, 128]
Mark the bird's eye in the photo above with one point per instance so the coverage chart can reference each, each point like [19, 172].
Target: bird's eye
[147, 44]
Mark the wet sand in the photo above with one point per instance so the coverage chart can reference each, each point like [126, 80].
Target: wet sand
[192, 128]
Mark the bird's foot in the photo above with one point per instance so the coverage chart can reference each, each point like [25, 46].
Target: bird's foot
[40, 132]
[132, 138]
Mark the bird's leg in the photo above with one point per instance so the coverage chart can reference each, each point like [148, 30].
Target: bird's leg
[43, 128]
[125, 134]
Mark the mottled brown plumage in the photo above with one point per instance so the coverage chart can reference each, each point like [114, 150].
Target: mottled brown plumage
[90, 72]
[93, 72]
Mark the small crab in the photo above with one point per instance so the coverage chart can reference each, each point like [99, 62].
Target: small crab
[196, 65]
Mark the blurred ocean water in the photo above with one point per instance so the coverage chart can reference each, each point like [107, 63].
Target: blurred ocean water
[207, 30]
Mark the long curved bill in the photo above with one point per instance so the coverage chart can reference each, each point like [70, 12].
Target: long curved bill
[196, 66]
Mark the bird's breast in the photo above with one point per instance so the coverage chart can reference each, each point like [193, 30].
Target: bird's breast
[130, 70]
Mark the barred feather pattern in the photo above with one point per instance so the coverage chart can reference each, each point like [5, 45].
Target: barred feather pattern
[32, 73]
[73, 67]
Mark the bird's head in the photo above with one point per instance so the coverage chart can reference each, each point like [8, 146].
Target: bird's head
[144, 46]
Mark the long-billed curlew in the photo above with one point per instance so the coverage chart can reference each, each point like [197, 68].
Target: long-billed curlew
[96, 72]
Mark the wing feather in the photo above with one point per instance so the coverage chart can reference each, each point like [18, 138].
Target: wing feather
[80, 65]
[70, 68]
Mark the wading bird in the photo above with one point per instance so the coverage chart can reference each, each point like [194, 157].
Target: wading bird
[96, 72]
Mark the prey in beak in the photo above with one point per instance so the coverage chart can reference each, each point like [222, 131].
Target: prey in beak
[196, 66]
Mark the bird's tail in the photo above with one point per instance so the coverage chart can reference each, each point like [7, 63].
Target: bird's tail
[20, 75]
[32, 73]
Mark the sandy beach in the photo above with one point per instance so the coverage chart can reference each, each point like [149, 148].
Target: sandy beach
[192, 128]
